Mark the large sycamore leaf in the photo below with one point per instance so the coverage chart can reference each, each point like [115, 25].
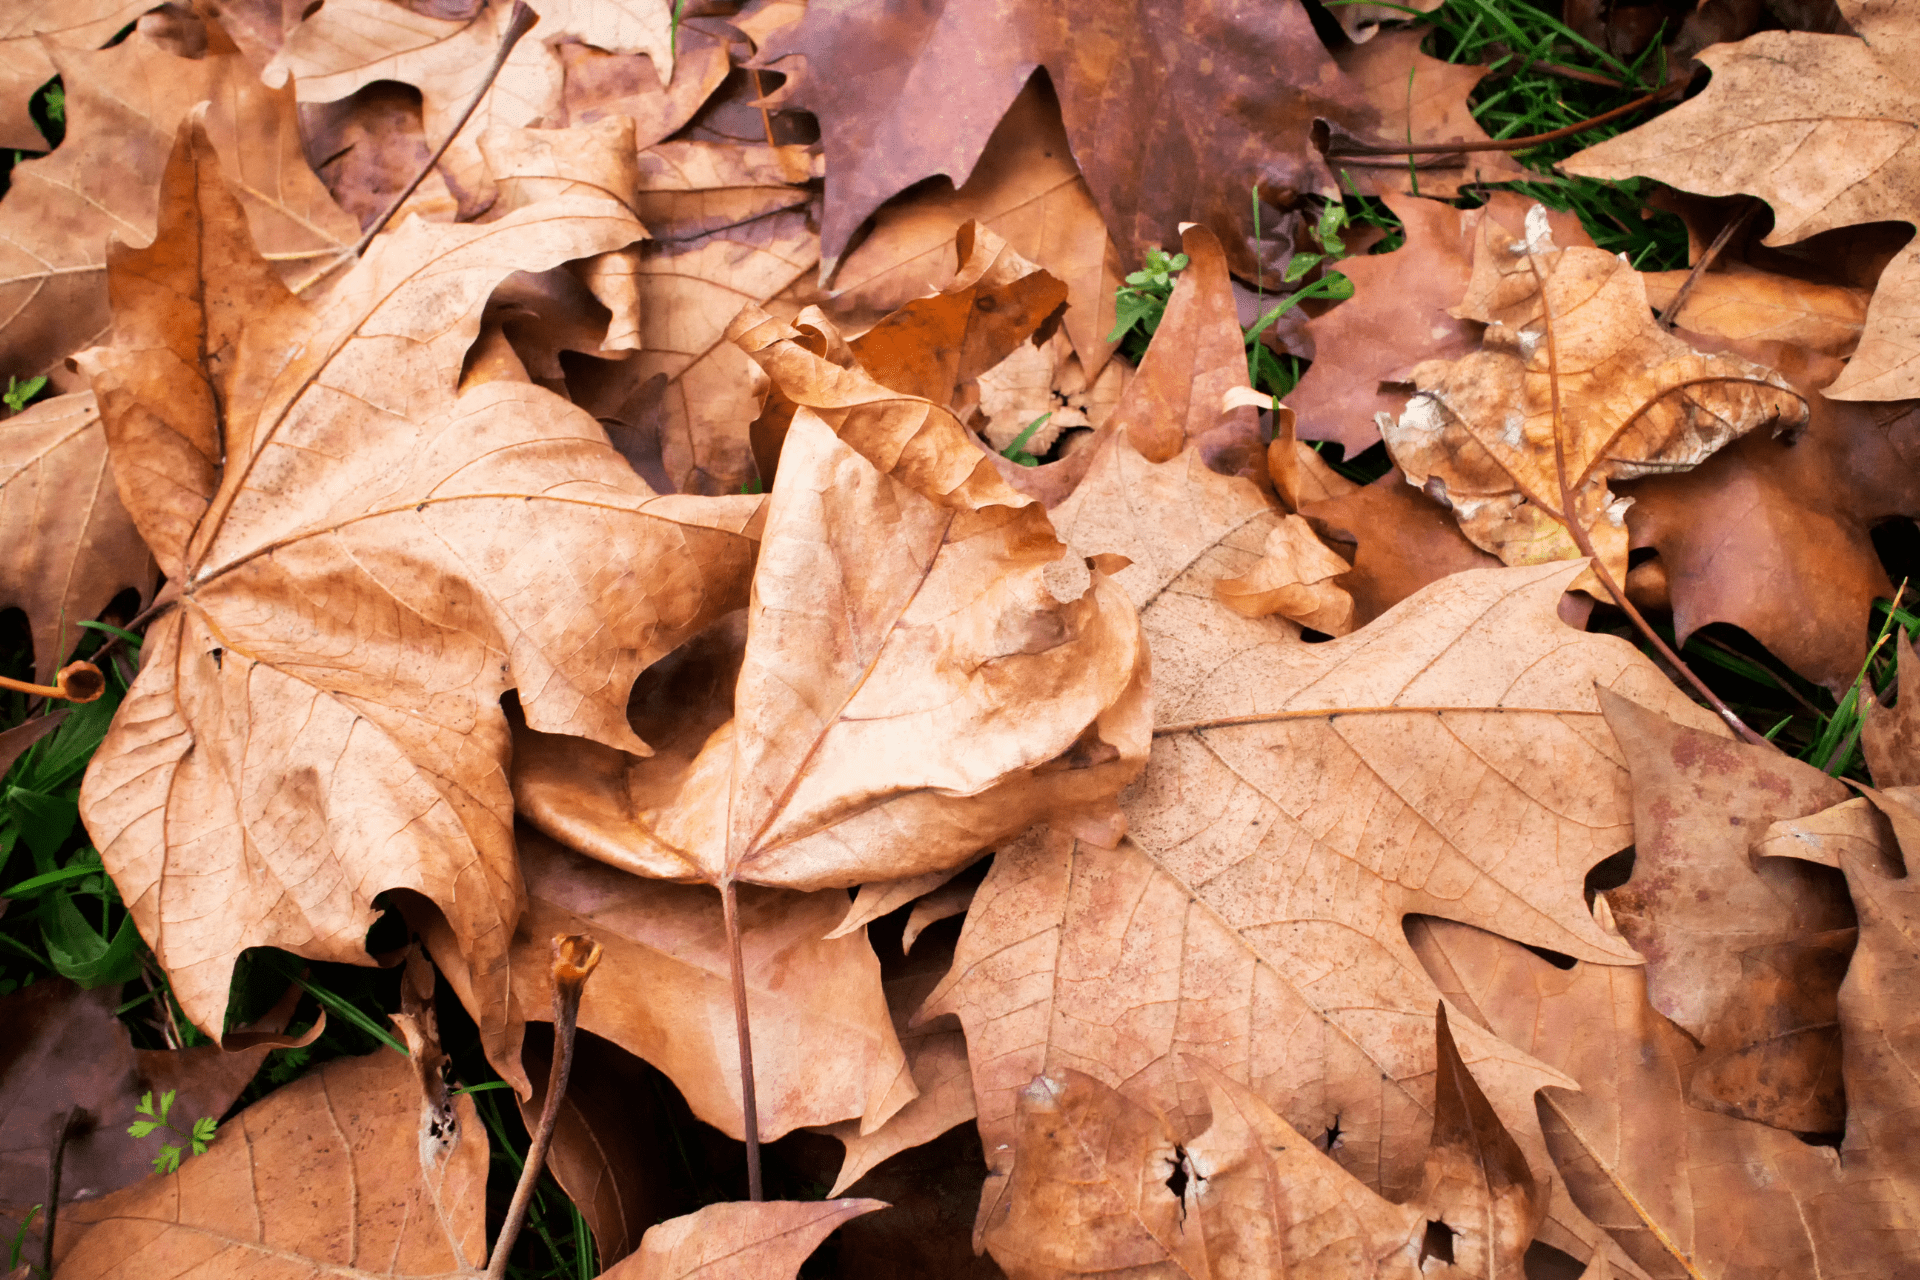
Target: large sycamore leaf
[364, 564]
[1573, 376]
[1300, 801]
[123, 105]
[351, 1171]
[1690, 1192]
[1222, 95]
[71, 545]
[1830, 145]
[922, 673]
[1092, 1192]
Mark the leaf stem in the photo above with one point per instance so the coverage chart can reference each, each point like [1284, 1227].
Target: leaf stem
[1511, 144]
[574, 958]
[749, 1105]
[519, 22]
[1582, 539]
[75, 682]
[1672, 312]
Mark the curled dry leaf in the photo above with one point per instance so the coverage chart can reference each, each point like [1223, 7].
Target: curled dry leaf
[71, 545]
[823, 1044]
[1047, 380]
[1293, 579]
[1365, 349]
[1103, 1184]
[912, 687]
[348, 44]
[1025, 188]
[740, 1241]
[599, 84]
[1829, 146]
[26, 32]
[1573, 372]
[373, 566]
[1225, 96]
[347, 1172]
[1776, 535]
[1449, 759]
[123, 107]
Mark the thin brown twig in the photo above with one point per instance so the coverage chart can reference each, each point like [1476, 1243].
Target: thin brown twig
[519, 22]
[574, 958]
[760, 93]
[1672, 312]
[749, 1105]
[1511, 144]
[1582, 539]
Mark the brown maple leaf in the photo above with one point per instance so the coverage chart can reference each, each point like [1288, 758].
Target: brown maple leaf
[363, 564]
[1223, 96]
[1830, 145]
[351, 1171]
[123, 106]
[72, 546]
[1575, 384]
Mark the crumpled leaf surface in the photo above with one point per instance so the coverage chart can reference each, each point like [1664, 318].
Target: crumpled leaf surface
[939, 648]
[376, 563]
[349, 1171]
[739, 1241]
[1485, 433]
[1449, 759]
[71, 545]
[123, 105]
[1226, 97]
[1829, 146]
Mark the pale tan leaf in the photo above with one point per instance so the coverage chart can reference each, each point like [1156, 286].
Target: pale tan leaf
[71, 545]
[348, 1172]
[739, 1241]
[26, 29]
[1292, 580]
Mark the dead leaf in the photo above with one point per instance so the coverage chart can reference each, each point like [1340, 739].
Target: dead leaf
[26, 31]
[72, 546]
[1025, 188]
[349, 44]
[347, 1172]
[15, 741]
[1103, 1185]
[692, 189]
[1774, 535]
[1712, 920]
[1419, 100]
[1292, 579]
[493, 532]
[1047, 381]
[1485, 434]
[1758, 306]
[946, 654]
[1401, 540]
[1826, 147]
[598, 84]
[1891, 736]
[1365, 349]
[368, 146]
[1119, 73]
[1412, 758]
[824, 1048]
[764, 1241]
[123, 106]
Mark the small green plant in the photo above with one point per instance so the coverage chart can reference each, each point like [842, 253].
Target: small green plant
[1016, 450]
[54, 97]
[20, 1239]
[18, 394]
[1142, 300]
[199, 1137]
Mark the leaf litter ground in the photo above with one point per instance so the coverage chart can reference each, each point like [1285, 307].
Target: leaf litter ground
[1117, 684]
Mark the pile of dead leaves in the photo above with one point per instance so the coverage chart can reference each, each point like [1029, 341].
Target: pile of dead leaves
[602, 535]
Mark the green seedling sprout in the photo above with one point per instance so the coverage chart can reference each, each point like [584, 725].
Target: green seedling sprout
[199, 1137]
[19, 393]
[1016, 451]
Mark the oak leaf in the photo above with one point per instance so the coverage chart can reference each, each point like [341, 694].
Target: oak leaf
[767, 1240]
[374, 563]
[123, 106]
[351, 1171]
[26, 31]
[938, 647]
[1448, 759]
[1575, 385]
[1225, 96]
[1829, 146]
[72, 546]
